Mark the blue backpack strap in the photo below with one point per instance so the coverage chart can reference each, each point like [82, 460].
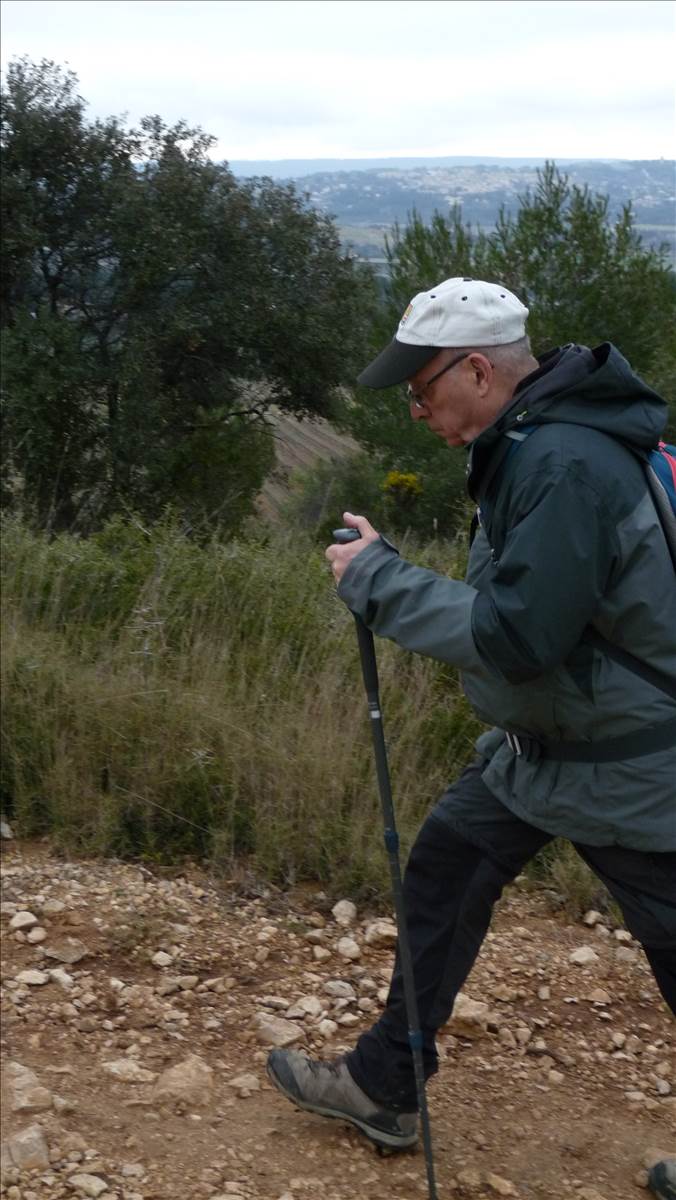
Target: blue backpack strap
[661, 476]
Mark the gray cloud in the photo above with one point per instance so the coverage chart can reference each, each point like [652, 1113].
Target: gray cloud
[304, 78]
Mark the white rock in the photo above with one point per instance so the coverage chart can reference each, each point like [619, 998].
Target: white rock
[35, 935]
[161, 959]
[167, 986]
[340, 988]
[500, 1186]
[592, 917]
[275, 1031]
[23, 920]
[28, 1149]
[88, 1185]
[306, 1006]
[315, 936]
[128, 1071]
[469, 1018]
[327, 1027]
[623, 935]
[67, 949]
[24, 1090]
[348, 948]
[345, 912]
[51, 907]
[599, 996]
[58, 975]
[190, 1080]
[32, 977]
[626, 954]
[381, 933]
[278, 1003]
[320, 953]
[5, 830]
[584, 956]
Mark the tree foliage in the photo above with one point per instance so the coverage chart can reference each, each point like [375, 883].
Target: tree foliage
[584, 276]
[153, 309]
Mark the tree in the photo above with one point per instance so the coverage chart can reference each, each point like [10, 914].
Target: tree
[153, 311]
[584, 277]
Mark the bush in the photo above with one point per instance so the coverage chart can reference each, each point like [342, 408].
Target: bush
[395, 501]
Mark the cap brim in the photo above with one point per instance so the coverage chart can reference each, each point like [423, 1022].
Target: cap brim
[396, 363]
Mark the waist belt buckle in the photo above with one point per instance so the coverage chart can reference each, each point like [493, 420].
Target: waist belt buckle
[524, 747]
[514, 743]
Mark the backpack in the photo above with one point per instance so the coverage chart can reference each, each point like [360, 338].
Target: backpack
[660, 472]
[660, 467]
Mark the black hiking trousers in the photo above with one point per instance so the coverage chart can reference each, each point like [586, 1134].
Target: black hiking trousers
[468, 848]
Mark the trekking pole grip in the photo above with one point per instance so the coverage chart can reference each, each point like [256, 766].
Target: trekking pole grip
[367, 651]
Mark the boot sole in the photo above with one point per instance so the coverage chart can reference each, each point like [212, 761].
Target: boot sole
[381, 1139]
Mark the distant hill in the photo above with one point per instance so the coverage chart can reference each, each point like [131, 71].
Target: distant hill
[366, 196]
[297, 168]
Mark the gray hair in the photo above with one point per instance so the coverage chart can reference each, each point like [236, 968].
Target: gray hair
[513, 359]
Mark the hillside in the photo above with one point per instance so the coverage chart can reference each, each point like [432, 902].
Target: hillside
[299, 445]
[366, 201]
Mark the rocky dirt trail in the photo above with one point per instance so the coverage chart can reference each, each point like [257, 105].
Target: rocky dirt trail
[138, 1010]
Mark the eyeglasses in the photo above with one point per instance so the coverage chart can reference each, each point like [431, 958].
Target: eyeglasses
[418, 398]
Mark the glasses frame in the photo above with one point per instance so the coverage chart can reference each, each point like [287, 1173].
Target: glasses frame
[418, 399]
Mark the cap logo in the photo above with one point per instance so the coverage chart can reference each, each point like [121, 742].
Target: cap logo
[406, 315]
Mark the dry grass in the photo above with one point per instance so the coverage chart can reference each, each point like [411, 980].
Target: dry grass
[163, 699]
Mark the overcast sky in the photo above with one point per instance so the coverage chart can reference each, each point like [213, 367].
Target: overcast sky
[368, 78]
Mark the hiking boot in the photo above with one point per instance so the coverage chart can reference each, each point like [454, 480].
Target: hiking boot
[662, 1179]
[327, 1088]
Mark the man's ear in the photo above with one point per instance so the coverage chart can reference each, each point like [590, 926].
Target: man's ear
[482, 369]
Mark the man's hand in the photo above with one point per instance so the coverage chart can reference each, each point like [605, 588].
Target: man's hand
[341, 556]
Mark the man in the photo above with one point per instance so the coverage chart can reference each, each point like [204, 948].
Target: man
[568, 570]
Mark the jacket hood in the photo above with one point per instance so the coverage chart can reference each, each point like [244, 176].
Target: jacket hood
[578, 386]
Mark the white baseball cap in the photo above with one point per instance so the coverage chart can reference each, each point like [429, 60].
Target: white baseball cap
[458, 312]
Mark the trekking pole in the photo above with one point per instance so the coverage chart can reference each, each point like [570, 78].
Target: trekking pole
[369, 668]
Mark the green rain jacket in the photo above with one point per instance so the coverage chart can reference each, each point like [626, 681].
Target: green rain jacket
[569, 539]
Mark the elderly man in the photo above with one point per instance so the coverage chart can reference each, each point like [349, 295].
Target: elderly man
[564, 631]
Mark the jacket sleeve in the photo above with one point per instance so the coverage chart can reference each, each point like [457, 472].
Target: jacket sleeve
[416, 608]
[559, 553]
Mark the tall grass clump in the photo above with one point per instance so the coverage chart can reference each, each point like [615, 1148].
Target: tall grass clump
[163, 698]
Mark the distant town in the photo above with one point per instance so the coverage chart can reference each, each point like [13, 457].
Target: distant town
[367, 196]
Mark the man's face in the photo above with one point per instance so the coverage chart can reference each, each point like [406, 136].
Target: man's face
[461, 402]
